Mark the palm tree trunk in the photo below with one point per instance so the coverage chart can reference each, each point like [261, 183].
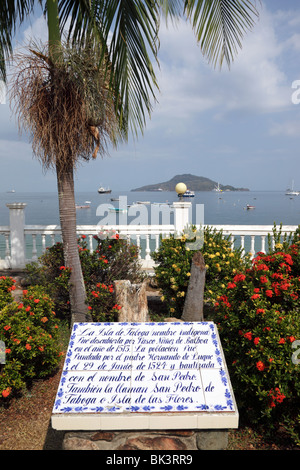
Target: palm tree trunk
[67, 214]
[66, 198]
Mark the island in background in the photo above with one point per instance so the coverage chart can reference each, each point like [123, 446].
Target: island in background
[193, 183]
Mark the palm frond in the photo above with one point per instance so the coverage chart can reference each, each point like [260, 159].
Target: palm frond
[12, 14]
[130, 32]
[220, 26]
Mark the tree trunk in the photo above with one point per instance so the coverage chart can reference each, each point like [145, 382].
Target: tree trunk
[133, 300]
[193, 305]
[67, 215]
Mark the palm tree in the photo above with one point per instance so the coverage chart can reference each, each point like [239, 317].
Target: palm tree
[123, 35]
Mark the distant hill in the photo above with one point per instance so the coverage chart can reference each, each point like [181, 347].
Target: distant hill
[193, 183]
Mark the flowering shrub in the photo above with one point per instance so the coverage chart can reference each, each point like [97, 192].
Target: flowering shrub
[174, 259]
[258, 320]
[29, 331]
[7, 285]
[112, 259]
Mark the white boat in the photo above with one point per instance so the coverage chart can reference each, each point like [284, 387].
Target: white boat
[188, 193]
[143, 202]
[249, 207]
[292, 192]
[117, 209]
[102, 190]
[218, 189]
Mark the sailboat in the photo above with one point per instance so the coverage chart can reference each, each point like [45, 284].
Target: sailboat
[218, 189]
[292, 192]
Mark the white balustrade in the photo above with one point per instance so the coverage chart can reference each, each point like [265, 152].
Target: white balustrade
[21, 244]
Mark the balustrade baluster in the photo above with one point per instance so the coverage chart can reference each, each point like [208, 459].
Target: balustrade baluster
[148, 251]
[91, 243]
[156, 242]
[7, 247]
[243, 244]
[252, 248]
[43, 242]
[138, 244]
[34, 248]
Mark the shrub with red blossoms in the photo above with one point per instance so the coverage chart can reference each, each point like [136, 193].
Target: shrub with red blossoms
[258, 324]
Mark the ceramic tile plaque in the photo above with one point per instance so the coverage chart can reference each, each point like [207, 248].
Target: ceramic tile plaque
[145, 374]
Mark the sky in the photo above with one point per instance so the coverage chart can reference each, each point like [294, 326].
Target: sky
[238, 127]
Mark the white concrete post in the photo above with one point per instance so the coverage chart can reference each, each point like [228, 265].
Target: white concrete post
[17, 235]
[182, 215]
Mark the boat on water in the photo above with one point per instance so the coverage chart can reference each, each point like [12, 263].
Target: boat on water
[218, 189]
[291, 191]
[114, 199]
[117, 209]
[143, 202]
[103, 190]
[83, 206]
[249, 207]
[188, 193]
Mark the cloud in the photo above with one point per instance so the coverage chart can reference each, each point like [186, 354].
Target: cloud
[190, 87]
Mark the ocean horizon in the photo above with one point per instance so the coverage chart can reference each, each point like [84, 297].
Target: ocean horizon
[224, 208]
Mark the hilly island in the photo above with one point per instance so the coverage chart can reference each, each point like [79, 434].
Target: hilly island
[193, 183]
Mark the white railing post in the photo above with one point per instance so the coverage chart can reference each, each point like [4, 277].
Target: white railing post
[182, 215]
[17, 236]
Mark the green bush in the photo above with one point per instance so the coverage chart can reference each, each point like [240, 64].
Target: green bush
[258, 320]
[29, 330]
[112, 259]
[7, 285]
[174, 258]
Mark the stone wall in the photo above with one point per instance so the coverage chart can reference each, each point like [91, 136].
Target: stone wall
[184, 440]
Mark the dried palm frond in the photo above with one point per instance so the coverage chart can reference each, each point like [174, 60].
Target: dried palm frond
[66, 107]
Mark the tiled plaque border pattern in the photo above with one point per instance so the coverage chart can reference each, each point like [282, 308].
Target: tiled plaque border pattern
[151, 367]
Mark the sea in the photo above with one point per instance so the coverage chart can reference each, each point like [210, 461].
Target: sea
[217, 208]
[225, 208]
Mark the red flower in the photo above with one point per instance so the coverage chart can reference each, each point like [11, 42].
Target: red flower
[6, 392]
[269, 293]
[248, 335]
[231, 285]
[260, 310]
[118, 307]
[263, 279]
[239, 277]
[260, 366]
[281, 341]
[28, 347]
[255, 296]
[256, 340]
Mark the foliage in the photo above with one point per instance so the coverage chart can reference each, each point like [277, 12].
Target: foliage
[174, 259]
[7, 285]
[29, 330]
[77, 87]
[112, 259]
[258, 320]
